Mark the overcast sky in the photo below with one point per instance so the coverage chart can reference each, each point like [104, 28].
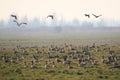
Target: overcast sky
[68, 9]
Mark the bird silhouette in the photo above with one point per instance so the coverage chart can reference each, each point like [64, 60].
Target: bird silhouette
[19, 24]
[51, 16]
[87, 15]
[96, 16]
[14, 16]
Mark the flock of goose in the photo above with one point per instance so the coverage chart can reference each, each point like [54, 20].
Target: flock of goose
[49, 16]
[96, 16]
[20, 23]
[55, 56]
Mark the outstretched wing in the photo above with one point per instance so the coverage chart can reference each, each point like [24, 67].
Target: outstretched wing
[18, 24]
[24, 23]
[100, 15]
[15, 21]
[50, 16]
[14, 16]
[96, 16]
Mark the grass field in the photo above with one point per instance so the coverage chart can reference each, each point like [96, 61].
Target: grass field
[16, 70]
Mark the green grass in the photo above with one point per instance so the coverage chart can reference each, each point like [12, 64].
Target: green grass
[16, 71]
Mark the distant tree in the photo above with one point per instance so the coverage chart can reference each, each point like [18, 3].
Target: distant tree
[101, 23]
[2, 23]
[58, 29]
[35, 22]
[75, 22]
[25, 19]
[87, 25]
[10, 23]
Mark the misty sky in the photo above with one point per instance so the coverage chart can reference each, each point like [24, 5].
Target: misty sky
[67, 9]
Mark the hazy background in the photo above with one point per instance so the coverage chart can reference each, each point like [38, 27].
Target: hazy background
[69, 16]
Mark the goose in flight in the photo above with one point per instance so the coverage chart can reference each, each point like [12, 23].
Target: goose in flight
[19, 24]
[14, 16]
[51, 16]
[96, 16]
[87, 15]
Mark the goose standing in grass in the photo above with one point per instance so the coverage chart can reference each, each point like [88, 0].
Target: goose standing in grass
[58, 60]
[46, 64]
[69, 65]
[32, 65]
[116, 65]
[25, 64]
[54, 66]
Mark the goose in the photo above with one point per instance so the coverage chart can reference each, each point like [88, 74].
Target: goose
[25, 64]
[96, 16]
[19, 24]
[51, 16]
[87, 15]
[46, 64]
[54, 66]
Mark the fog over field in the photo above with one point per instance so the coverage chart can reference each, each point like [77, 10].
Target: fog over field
[69, 25]
[44, 36]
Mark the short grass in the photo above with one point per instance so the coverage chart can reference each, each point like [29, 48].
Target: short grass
[16, 71]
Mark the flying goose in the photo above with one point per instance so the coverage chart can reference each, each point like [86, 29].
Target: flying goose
[96, 16]
[51, 16]
[87, 15]
[19, 24]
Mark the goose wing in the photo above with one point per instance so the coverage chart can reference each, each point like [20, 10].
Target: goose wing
[14, 16]
[50, 16]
